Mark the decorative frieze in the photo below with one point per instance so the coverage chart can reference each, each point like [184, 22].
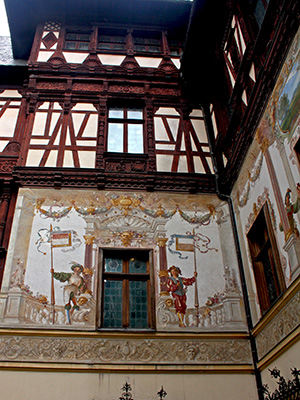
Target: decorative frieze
[285, 321]
[124, 351]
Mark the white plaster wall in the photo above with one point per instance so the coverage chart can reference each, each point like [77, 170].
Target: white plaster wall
[106, 386]
[287, 361]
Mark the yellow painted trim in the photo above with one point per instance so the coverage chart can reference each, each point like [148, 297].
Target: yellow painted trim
[280, 304]
[108, 368]
[281, 348]
[123, 335]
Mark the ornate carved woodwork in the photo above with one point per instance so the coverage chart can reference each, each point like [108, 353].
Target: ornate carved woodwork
[85, 82]
[8, 195]
[274, 45]
[119, 162]
[238, 110]
[98, 178]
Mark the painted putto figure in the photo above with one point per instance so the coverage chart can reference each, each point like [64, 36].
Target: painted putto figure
[74, 287]
[177, 286]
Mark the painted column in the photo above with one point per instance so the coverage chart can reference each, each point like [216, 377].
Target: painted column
[163, 266]
[287, 169]
[5, 199]
[88, 261]
[275, 186]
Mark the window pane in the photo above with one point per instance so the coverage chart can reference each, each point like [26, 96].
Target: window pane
[71, 45]
[84, 36]
[135, 138]
[112, 310]
[154, 49]
[116, 113]
[135, 113]
[269, 275]
[137, 266]
[140, 48]
[119, 47]
[71, 36]
[83, 46]
[138, 310]
[113, 265]
[115, 138]
[260, 12]
[104, 46]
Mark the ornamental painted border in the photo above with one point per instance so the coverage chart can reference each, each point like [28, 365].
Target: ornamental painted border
[286, 321]
[124, 351]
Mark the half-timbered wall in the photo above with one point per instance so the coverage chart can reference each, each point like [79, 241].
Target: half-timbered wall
[181, 142]
[10, 103]
[63, 140]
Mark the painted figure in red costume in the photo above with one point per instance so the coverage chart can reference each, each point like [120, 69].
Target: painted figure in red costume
[177, 286]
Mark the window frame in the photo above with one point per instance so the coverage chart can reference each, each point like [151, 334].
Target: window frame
[125, 121]
[77, 40]
[263, 226]
[296, 150]
[144, 39]
[126, 277]
[113, 41]
[164, 45]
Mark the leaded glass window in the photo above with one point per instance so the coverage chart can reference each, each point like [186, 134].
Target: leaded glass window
[77, 41]
[147, 42]
[126, 289]
[114, 43]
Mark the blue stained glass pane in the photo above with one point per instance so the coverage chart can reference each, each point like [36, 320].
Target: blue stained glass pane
[138, 301]
[113, 265]
[135, 138]
[112, 310]
[137, 266]
[115, 138]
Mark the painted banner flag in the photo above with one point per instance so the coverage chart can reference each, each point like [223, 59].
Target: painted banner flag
[184, 242]
[61, 238]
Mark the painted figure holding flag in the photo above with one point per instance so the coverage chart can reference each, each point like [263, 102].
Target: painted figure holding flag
[177, 286]
[74, 286]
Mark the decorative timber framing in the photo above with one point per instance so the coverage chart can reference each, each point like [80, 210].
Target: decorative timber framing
[97, 178]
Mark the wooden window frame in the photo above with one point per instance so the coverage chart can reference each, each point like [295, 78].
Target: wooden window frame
[296, 150]
[129, 42]
[125, 121]
[263, 226]
[139, 41]
[112, 42]
[126, 277]
[77, 40]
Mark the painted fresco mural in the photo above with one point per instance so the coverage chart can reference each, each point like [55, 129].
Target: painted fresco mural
[53, 271]
[271, 174]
